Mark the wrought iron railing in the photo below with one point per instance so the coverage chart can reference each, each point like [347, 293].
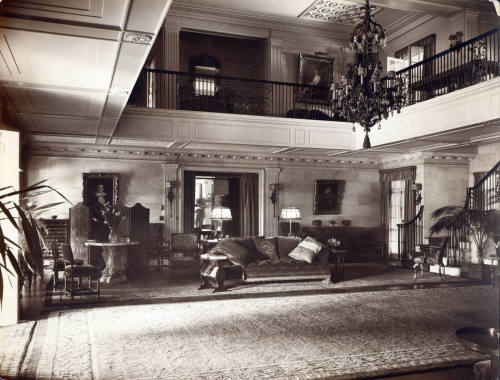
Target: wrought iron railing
[485, 194]
[464, 65]
[215, 93]
[410, 234]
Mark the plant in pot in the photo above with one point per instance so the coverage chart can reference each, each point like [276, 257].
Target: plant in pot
[21, 215]
[478, 225]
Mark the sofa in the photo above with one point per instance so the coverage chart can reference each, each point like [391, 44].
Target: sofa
[256, 259]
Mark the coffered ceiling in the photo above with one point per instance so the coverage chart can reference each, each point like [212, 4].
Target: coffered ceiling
[68, 66]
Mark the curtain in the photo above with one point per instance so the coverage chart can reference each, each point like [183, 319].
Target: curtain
[234, 205]
[249, 200]
[407, 174]
[189, 193]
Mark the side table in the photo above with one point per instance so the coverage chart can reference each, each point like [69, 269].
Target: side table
[339, 265]
[211, 268]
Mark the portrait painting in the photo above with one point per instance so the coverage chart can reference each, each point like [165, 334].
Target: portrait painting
[328, 195]
[316, 71]
[100, 188]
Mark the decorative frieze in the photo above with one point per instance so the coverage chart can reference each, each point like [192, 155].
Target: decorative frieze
[265, 160]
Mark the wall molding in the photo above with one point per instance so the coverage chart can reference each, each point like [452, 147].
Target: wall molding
[208, 157]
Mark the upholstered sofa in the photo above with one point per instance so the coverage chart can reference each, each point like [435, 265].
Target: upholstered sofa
[270, 259]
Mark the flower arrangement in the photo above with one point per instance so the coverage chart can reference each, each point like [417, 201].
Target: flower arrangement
[111, 217]
[334, 243]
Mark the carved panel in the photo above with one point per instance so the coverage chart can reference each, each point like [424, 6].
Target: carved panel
[345, 11]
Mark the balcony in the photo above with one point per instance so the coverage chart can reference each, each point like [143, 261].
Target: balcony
[453, 89]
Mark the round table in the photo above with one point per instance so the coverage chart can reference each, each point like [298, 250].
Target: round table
[483, 340]
[116, 257]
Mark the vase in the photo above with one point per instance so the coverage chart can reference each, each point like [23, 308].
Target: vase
[113, 235]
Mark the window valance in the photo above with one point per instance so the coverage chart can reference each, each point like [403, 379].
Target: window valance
[407, 172]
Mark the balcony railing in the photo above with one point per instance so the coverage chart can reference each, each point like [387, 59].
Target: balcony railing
[466, 64]
[209, 93]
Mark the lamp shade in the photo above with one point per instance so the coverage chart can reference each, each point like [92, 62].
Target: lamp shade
[290, 213]
[221, 213]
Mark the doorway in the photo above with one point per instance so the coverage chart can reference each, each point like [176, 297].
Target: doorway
[238, 192]
[396, 216]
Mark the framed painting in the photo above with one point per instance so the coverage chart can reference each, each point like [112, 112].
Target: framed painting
[100, 188]
[316, 71]
[328, 195]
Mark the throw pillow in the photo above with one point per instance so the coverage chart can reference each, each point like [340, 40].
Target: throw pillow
[266, 247]
[237, 253]
[306, 250]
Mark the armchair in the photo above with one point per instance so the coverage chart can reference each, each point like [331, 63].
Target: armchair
[184, 253]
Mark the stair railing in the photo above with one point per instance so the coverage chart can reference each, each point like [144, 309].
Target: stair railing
[410, 234]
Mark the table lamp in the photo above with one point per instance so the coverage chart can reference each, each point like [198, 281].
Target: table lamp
[220, 213]
[290, 213]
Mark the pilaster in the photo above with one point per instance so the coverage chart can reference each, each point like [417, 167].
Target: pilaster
[470, 23]
[171, 62]
[272, 218]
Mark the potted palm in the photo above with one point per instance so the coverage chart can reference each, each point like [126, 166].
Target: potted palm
[21, 215]
[478, 225]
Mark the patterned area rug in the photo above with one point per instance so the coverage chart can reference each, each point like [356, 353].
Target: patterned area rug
[14, 341]
[330, 335]
[159, 288]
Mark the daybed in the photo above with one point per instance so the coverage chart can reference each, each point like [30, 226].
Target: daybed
[271, 259]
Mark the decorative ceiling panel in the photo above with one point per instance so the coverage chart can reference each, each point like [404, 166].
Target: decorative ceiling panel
[343, 11]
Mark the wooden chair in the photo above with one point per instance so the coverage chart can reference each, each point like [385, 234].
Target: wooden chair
[184, 253]
[431, 255]
[59, 262]
[75, 274]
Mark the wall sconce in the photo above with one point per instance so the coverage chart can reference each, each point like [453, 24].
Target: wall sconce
[170, 186]
[274, 187]
[417, 188]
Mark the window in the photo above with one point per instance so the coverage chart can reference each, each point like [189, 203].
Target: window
[204, 68]
[205, 86]
[414, 53]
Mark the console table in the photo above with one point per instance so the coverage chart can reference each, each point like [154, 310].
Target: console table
[116, 257]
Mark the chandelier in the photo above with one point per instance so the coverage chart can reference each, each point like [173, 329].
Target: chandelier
[361, 97]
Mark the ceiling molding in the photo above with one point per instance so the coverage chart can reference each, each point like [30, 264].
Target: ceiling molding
[454, 159]
[45, 147]
[261, 21]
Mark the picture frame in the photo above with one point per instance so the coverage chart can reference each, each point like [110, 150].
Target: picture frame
[91, 182]
[328, 196]
[316, 71]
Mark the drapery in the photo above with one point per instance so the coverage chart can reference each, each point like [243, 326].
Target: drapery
[234, 228]
[249, 201]
[189, 194]
[407, 174]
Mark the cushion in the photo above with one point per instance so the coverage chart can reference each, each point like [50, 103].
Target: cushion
[246, 241]
[266, 247]
[236, 253]
[286, 245]
[306, 250]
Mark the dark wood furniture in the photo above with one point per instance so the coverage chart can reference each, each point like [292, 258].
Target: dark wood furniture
[59, 261]
[211, 269]
[483, 340]
[74, 276]
[184, 253]
[339, 254]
